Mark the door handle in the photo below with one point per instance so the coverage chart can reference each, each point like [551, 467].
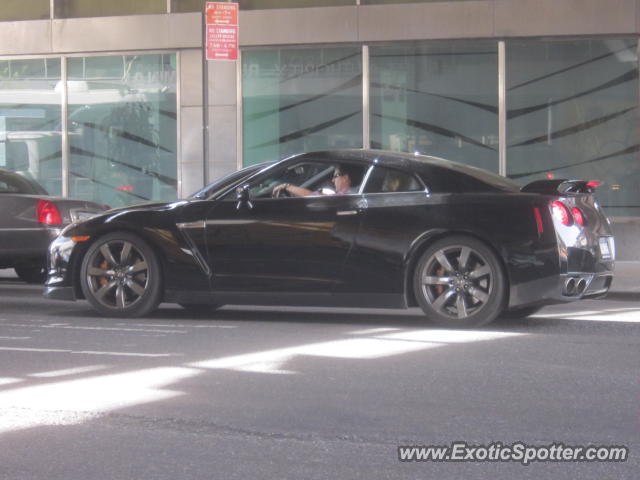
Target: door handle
[347, 212]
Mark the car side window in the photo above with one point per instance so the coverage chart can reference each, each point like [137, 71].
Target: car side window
[309, 174]
[388, 180]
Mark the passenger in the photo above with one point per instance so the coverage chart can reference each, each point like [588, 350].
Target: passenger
[341, 181]
[391, 183]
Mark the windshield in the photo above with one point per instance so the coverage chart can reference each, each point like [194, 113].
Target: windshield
[222, 183]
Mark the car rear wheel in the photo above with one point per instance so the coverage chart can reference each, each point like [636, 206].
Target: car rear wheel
[31, 274]
[121, 276]
[459, 282]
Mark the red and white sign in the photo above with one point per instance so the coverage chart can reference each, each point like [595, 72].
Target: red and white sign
[222, 30]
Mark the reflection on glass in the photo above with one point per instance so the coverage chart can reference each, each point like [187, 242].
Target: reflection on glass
[299, 100]
[122, 128]
[572, 113]
[30, 120]
[437, 98]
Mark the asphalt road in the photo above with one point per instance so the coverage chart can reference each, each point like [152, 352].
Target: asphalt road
[267, 393]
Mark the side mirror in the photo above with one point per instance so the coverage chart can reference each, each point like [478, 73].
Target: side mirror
[242, 194]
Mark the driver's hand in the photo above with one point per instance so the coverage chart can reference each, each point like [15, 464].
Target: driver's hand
[278, 188]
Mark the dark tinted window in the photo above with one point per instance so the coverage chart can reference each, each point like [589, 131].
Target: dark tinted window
[385, 180]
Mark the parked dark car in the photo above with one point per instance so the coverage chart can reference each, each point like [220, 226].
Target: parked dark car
[463, 244]
[29, 220]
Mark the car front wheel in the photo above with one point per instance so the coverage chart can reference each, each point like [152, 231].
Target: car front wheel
[121, 276]
[459, 282]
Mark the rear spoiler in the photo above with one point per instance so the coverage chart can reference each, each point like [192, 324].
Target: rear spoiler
[553, 187]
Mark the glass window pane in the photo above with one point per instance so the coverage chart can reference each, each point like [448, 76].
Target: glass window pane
[299, 100]
[24, 10]
[122, 128]
[198, 5]
[437, 98]
[91, 8]
[572, 113]
[30, 120]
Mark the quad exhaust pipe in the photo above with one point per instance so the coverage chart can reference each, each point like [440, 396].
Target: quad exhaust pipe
[574, 286]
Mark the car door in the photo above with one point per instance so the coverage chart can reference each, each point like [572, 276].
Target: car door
[281, 245]
[396, 207]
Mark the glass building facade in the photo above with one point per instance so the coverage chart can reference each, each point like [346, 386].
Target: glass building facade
[99, 128]
[569, 109]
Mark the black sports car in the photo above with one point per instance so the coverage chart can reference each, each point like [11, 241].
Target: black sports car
[29, 220]
[463, 244]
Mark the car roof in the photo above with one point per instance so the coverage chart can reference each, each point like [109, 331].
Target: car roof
[25, 184]
[412, 162]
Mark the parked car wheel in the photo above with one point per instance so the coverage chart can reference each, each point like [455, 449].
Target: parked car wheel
[459, 282]
[121, 276]
[31, 274]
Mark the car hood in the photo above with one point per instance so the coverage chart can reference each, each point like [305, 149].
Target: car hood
[151, 206]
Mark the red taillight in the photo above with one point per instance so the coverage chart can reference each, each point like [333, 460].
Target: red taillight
[48, 213]
[577, 216]
[539, 225]
[561, 213]
[594, 183]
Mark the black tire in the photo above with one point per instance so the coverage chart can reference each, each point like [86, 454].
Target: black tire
[459, 282]
[517, 313]
[31, 274]
[200, 308]
[121, 276]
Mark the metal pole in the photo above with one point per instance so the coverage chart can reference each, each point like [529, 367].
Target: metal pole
[366, 135]
[205, 101]
[239, 113]
[65, 126]
[502, 109]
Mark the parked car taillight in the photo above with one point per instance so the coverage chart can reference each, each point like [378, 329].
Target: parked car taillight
[48, 213]
[561, 213]
[578, 216]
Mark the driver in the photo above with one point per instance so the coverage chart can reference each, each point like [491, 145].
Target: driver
[341, 181]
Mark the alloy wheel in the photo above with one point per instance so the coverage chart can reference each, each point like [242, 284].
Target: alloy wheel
[117, 274]
[457, 281]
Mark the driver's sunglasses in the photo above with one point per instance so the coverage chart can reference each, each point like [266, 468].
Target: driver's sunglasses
[337, 174]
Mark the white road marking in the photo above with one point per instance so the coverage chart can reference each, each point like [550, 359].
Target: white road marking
[88, 352]
[371, 331]
[627, 315]
[105, 329]
[69, 371]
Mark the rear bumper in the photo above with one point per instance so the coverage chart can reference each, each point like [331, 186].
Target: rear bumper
[60, 293]
[26, 246]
